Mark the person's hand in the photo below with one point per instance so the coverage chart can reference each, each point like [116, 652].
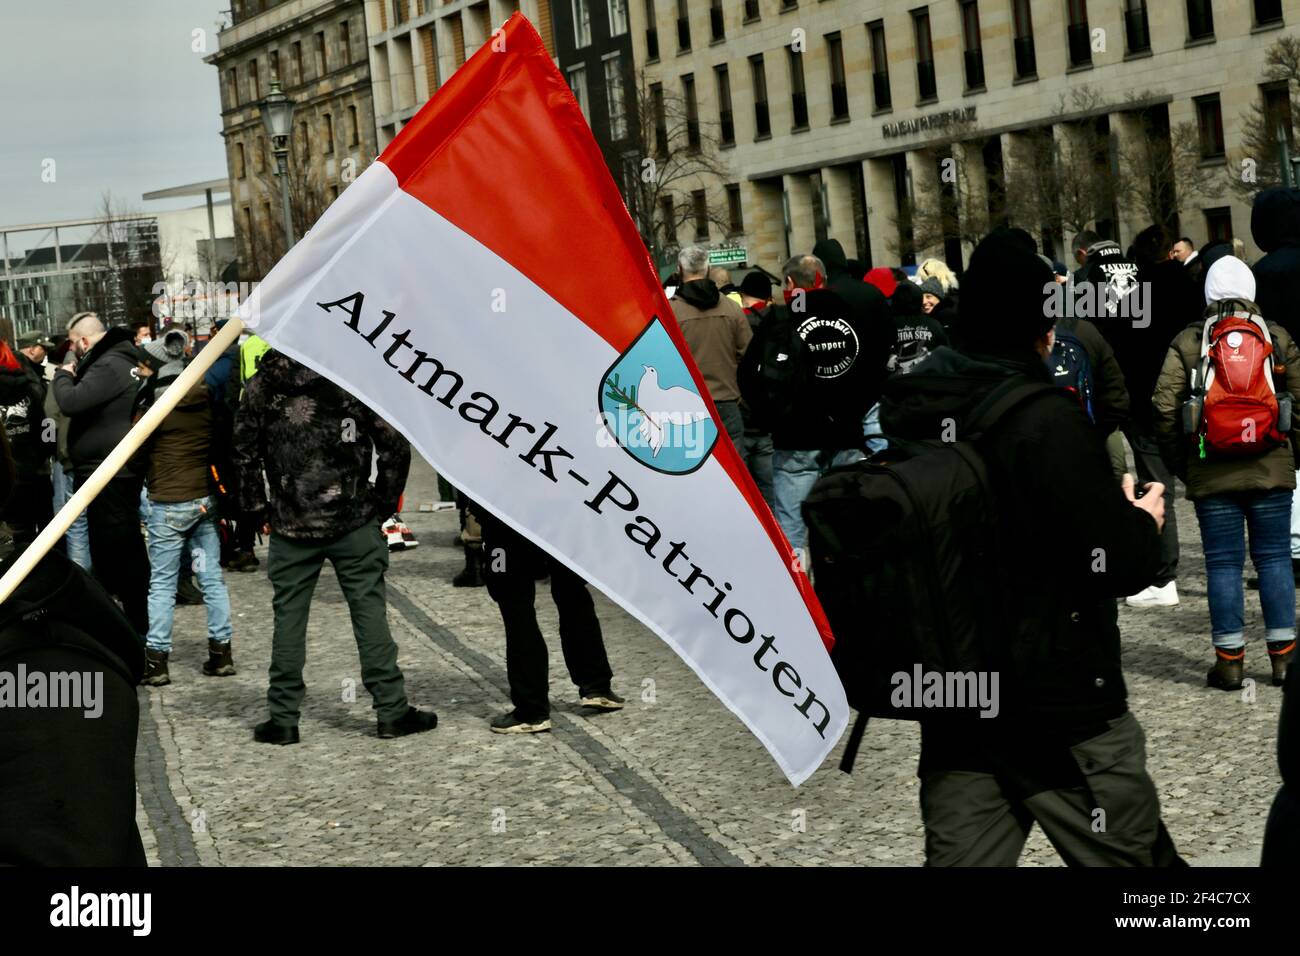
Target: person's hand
[1152, 500]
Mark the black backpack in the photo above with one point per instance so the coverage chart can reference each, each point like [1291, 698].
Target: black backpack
[776, 370]
[1071, 366]
[902, 550]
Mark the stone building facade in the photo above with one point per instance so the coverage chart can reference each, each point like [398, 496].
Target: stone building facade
[843, 111]
[318, 52]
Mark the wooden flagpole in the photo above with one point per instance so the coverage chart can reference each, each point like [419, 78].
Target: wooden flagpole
[119, 456]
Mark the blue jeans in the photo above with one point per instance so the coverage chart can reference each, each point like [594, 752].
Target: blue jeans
[757, 452]
[78, 536]
[876, 441]
[1224, 520]
[170, 524]
[793, 475]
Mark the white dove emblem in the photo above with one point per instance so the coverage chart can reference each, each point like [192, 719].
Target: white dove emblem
[661, 407]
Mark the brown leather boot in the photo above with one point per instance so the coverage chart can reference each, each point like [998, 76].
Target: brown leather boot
[1229, 665]
[220, 662]
[1279, 655]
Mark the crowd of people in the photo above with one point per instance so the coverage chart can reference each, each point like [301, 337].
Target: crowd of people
[1183, 362]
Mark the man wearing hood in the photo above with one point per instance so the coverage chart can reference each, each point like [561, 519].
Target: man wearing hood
[717, 333]
[817, 412]
[1063, 750]
[183, 511]
[315, 441]
[869, 311]
[98, 395]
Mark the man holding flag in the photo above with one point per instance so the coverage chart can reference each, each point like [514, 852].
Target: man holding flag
[571, 410]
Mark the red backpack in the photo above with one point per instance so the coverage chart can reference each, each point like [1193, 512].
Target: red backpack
[1241, 412]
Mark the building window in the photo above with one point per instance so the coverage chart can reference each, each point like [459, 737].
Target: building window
[581, 24]
[735, 215]
[1218, 223]
[241, 161]
[617, 17]
[345, 41]
[577, 78]
[1137, 29]
[1268, 12]
[1200, 19]
[726, 122]
[1023, 45]
[259, 156]
[399, 12]
[925, 83]
[839, 86]
[879, 66]
[328, 126]
[974, 47]
[1277, 112]
[254, 86]
[660, 118]
[788, 5]
[304, 142]
[717, 28]
[798, 91]
[232, 87]
[651, 32]
[758, 76]
[322, 64]
[669, 213]
[692, 113]
[683, 27]
[1209, 117]
[700, 206]
[616, 98]
[1078, 34]
[273, 64]
[751, 11]
[354, 129]
[299, 75]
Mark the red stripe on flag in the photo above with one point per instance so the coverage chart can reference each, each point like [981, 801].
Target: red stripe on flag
[503, 152]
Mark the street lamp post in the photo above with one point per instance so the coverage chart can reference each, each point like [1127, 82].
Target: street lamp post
[277, 114]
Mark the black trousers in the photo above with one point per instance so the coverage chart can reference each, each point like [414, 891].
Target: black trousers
[511, 564]
[117, 548]
[30, 507]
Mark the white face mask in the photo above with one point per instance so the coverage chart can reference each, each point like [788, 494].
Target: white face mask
[145, 341]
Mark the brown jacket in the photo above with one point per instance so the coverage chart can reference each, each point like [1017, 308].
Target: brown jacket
[178, 460]
[1211, 476]
[717, 332]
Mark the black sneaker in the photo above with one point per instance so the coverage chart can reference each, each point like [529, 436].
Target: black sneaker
[412, 722]
[604, 700]
[270, 732]
[508, 723]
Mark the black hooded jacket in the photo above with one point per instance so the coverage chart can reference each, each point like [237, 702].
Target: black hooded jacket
[1069, 542]
[870, 310]
[1275, 226]
[291, 423]
[98, 400]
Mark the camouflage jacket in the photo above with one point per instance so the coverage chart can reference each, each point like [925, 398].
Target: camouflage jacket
[314, 441]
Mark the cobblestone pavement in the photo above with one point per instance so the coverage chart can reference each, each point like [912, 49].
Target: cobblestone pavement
[672, 779]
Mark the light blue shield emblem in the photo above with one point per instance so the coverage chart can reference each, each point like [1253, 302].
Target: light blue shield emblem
[652, 408]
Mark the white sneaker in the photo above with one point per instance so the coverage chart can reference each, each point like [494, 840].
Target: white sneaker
[1153, 596]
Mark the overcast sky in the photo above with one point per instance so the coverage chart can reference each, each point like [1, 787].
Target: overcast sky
[113, 92]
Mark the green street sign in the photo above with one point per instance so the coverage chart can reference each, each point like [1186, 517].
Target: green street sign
[727, 257]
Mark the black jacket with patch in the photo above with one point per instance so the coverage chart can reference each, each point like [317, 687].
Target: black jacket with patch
[98, 400]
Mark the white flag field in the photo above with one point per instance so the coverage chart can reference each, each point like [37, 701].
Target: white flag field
[483, 288]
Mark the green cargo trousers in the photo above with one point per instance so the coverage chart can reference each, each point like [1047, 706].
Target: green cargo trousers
[1114, 820]
[360, 559]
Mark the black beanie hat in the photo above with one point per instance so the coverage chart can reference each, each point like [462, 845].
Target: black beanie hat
[1004, 305]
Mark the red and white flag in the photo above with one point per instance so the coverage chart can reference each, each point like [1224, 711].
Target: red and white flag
[483, 288]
